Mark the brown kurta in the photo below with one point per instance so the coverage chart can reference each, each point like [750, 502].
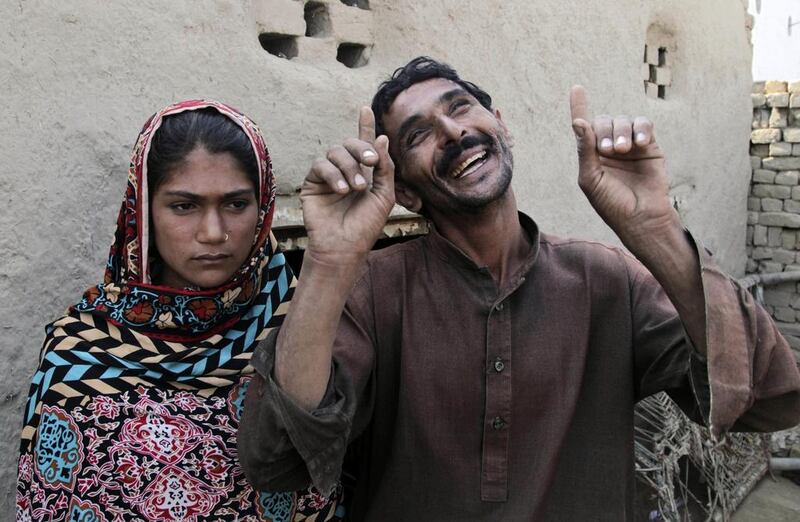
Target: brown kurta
[473, 402]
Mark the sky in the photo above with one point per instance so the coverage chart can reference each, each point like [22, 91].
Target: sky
[776, 44]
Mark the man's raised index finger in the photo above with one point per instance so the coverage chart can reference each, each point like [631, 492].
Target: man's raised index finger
[366, 125]
[578, 105]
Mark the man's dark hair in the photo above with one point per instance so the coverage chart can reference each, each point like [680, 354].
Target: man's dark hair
[180, 133]
[418, 70]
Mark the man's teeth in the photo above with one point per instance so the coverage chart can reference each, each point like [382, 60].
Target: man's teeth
[460, 169]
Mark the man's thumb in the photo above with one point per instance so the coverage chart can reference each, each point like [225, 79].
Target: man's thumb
[586, 143]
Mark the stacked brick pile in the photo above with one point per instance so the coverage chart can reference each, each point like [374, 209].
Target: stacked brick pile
[773, 230]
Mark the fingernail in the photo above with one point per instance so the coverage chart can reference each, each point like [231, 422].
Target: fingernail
[641, 137]
[621, 140]
[578, 130]
[367, 154]
[606, 143]
[341, 185]
[359, 179]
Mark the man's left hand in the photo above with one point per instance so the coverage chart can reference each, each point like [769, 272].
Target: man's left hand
[622, 172]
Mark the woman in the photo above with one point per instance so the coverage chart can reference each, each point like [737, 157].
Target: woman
[133, 410]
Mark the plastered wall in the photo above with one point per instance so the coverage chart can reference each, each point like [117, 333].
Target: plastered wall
[79, 77]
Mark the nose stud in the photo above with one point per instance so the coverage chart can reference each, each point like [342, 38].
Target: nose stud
[226, 236]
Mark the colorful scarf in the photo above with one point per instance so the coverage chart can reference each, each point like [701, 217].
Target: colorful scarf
[133, 411]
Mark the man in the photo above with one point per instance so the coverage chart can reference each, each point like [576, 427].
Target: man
[488, 371]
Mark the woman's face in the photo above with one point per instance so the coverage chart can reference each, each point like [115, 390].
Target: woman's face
[204, 219]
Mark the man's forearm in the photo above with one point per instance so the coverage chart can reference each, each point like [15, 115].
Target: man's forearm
[674, 262]
[305, 343]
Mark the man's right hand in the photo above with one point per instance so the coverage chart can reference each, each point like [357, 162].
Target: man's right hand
[347, 196]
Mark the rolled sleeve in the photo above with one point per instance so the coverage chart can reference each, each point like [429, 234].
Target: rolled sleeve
[746, 381]
[281, 445]
[752, 375]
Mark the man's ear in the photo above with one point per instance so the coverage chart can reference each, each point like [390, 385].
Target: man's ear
[508, 135]
[406, 196]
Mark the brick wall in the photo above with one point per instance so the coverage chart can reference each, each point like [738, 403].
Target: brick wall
[773, 222]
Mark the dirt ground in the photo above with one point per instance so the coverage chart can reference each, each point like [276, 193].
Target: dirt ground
[771, 501]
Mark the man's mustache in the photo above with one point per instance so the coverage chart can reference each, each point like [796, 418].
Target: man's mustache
[454, 149]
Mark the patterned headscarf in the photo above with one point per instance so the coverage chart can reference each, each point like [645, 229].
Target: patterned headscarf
[155, 358]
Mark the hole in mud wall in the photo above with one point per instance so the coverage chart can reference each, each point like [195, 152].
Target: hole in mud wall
[280, 45]
[352, 55]
[318, 21]
[657, 72]
[658, 66]
[361, 4]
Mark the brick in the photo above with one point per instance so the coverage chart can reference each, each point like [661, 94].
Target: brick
[765, 136]
[780, 149]
[787, 177]
[761, 118]
[770, 267]
[651, 54]
[779, 118]
[315, 51]
[790, 205]
[791, 135]
[774, 240]
[788, 240]
[785, 163]
[796, 149]
[760, 253]
[751, 266]
[760, 236]
[355, 25]
[752, 218]
[756, 124]
[283, 17]
[763, 176]
[794, 117]
[761, 151]
[796, 303]
[785, 314]
[779, 219]
[758, 87]
[663, 76]
[644, 72]
[755, 162]
[651, 90]
[775, 86]
[794, 86]
[794, 100]
[796, 193]
[778, 99]
[753, 204]
[748, 236]
[759, 100]
[772, 204]
[772, 191]
[787, 257]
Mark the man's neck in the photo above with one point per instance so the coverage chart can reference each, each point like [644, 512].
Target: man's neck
[491, 237]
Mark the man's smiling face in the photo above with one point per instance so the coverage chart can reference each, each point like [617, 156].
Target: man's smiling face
[452, 153]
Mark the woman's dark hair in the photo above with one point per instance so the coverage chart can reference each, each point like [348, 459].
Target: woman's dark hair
[418, 70]
[179, 134]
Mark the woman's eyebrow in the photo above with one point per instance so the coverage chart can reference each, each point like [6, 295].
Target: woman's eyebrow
[191, 195]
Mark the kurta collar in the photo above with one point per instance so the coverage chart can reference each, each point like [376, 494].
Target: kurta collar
[450, 253]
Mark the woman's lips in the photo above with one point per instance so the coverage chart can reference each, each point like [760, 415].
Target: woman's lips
[211, 258]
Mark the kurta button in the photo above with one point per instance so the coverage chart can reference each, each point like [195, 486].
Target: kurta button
[498, 423]
[499, 307]
[499, 365]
